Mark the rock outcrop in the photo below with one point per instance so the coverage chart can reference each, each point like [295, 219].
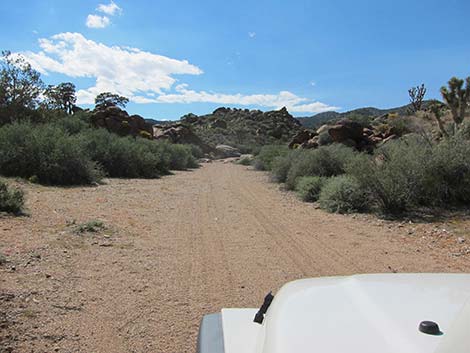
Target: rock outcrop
[118, 121]
[225, 151]
[302, 139]
[243, 127]
[179, 133]
[348, 133]
[346, 130]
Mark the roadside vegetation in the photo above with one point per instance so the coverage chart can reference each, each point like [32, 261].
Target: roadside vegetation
[46, 138]
[428, 167]
[400, 176]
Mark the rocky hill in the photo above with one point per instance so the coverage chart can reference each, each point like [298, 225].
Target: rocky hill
[243, 128]
[318, 120]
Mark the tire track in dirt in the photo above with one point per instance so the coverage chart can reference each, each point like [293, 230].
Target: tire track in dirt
[320, 259]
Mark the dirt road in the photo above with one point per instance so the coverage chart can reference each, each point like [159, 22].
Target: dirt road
[177, 248]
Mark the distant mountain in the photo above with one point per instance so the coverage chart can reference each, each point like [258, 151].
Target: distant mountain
[317, 120]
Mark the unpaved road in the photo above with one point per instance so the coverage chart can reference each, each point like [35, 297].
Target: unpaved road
[178, 248]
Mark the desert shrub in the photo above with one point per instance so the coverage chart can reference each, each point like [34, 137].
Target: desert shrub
[173, 156]
[324, 138]
[11, 200]
[282, 164]
[196, 151]
[395, 175]
[45, 153]
[410, 172]
[343, 194]
[245, 161]
[71, 124]
[181, 157]
[123, 157]
[448, 173]
[402, 125]
[464, 131]
[324, 161]
[93, 226]
[68, 151]
[309, 187]
[267, 154]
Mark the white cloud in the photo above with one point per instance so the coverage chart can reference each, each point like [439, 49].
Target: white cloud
[142, 76]
[96, 21]
[111, 9]
[251, 34]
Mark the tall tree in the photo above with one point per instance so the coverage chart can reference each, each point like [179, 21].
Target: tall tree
[20, 85]
[61, 97]
[108, 99]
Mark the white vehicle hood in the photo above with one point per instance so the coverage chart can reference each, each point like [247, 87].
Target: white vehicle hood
[357, 314]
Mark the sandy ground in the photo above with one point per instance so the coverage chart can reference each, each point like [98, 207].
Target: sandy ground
[180, 247]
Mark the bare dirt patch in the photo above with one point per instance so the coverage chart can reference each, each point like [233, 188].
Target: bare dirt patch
[176, 248]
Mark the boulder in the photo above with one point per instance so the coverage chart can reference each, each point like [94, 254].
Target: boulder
[219, 123]
[225, 151]
[179, 133]
[118, 121]
[301, 138]
[389, 138]
[322, 129]
[344, 130]
[375, 139]
[311, 143]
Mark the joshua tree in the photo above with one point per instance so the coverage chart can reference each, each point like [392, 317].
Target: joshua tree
[457, 98]
[416, 97]
[437, 109]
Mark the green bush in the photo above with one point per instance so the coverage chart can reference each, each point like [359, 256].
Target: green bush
[68, 152]
[173, 156]
[324, 161]
[93, 226]
[45, 153]
[196, 151]
[324, 139]
[267, 154]
[410, 173]
[448, 173]
[308, 188]
[281, 165]
[343, 194]
[72, 124]
[128, 157]
[181, 157]
[395, 175]
[122, 157]
[11, 200]
[245, 161]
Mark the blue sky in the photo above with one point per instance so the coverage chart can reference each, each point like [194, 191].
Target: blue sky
[175, 57]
